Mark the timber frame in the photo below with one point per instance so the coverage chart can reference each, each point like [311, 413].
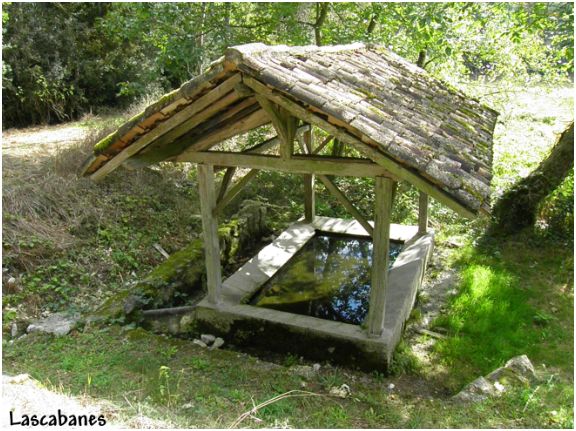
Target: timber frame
[401, 124]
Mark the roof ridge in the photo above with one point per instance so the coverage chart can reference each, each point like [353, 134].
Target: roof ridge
[238, 52]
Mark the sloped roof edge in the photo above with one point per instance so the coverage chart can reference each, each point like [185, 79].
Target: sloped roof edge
[413, 118]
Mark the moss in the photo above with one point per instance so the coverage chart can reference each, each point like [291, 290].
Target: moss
[102, 145]
[112, 308]
[137, 334]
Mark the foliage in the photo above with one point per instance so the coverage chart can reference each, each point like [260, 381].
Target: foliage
[64, 59]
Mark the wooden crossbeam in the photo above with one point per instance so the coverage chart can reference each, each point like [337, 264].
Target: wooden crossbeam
[332, 188]
[371, 151]
[170, 124]
[322, 165]
[234, 191]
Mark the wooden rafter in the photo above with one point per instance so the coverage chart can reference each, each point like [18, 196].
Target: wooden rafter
[371, 151]
[174, 122]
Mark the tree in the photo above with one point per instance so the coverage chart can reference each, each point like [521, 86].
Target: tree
[518, 208]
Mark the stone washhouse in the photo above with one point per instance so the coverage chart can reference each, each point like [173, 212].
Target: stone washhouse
[402, 125]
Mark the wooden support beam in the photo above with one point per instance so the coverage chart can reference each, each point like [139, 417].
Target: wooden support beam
[234, 191]
[322, 165]
[346, 203]
[380, 259]
[228, 175]
[422, 213]
[284, 123]
[371, 151]
[174, 122]
[210, 232]
[309, 180]
[323, 144]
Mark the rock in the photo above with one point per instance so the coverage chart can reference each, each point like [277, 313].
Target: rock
[305, 371]
[523, 366]
[518, 370]
[199, 343]
[59, 324]
[342, 392]
[218, 342]
[15, 380]
[207, 338]
[478, 390]
[14, 330]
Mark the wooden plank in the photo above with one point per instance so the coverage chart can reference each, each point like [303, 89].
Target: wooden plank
[393, 167]
[380, 260]
[207, 195]
[321, 165]
[217, 112]
[228, 175]
[422, 213]
[346, 203]
[234, 191]
[309, 180]
[167, 126]
[256, 119]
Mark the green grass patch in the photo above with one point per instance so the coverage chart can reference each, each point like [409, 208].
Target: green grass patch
[515, 297]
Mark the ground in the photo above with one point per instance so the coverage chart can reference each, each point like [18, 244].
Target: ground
[68, 244]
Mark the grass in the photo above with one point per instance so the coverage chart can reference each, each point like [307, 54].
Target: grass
[193, 387]
[516, 297]
[71, 243]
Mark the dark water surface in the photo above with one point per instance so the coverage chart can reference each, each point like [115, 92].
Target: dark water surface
[328, 278]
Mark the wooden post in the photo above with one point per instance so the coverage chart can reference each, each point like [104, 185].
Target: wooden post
[423, 213]
[309, 195]
[381, 240]
[210, 232]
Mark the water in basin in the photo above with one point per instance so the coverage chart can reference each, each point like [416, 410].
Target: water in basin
[328, 278]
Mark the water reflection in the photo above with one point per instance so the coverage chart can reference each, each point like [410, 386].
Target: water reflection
[328, 278]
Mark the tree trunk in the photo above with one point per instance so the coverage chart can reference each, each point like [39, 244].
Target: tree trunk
[517, 208]
[321, 14]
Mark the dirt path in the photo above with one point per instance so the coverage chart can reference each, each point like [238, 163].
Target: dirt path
[41, 141]
[23, 395]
